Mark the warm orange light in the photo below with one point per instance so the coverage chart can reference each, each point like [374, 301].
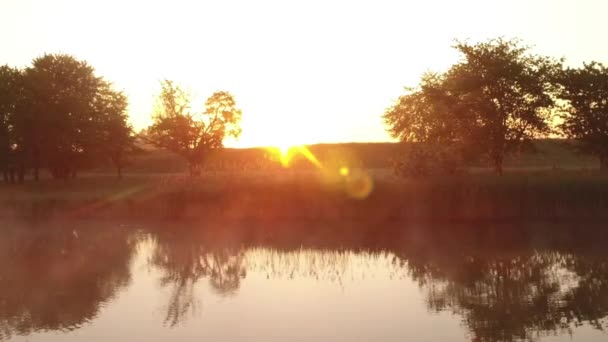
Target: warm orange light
[286, 153]
[284, 149]
[357, 183]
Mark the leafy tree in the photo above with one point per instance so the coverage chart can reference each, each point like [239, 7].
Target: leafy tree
[59, 114]
[422, 115]
[190, 134]
[59, 119]
[504, 94]
[70, 118]
[114, 138]
[11, 90]
[423, 118]
[493, 101]
[586, 117]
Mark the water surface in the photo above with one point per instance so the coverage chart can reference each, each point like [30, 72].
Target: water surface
[302, 282]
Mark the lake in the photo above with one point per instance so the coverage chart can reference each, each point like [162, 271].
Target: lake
[305, 281]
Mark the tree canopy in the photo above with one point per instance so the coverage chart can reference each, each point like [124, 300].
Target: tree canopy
[11, 92]
[495, 99]
[586, 116]
[59, 115]
[190, 134]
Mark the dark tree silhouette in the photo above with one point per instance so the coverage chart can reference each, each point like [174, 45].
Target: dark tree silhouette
[62, 91]
[504, 94]
[193, 135]
[11, 92]
[498, 97]
[423, 118]
[114, 138]
[422, 115]
[586, 117]
[58, 114]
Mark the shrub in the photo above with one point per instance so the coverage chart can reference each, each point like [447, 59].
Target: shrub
[428, 160]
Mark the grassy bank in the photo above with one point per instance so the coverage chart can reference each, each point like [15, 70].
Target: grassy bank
[311, 195]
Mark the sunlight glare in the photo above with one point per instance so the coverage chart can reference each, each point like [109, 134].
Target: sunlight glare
[286, 153]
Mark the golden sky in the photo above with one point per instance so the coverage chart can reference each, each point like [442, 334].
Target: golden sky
[302, 71]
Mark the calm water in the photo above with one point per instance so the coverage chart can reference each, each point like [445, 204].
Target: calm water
[302, 282]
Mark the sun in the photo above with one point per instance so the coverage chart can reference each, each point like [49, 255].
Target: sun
[284, 148]
[284, 152]
[285, 145]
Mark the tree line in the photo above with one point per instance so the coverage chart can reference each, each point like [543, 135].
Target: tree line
[58, 115]
[494, 102]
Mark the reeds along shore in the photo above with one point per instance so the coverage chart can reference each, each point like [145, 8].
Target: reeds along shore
[549, 196]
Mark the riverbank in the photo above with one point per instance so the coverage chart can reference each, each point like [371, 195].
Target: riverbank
[357, 195]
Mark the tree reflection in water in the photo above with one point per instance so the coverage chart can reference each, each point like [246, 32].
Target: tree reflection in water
[508, 283]
[508, 288]
[186, 256]
[184, 260]
[53, 278]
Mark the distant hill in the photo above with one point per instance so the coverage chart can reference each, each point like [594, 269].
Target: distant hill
[550, 153]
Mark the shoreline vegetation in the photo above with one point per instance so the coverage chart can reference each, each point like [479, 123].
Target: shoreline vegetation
[532, 188]
[471, 148]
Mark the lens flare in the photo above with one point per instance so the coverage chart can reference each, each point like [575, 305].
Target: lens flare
[356, 183]
[286, 153]
[359, 185]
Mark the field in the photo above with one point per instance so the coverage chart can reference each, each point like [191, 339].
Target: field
[353, 182]
[549, 155]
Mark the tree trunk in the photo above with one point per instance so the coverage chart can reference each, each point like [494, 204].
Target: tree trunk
[604, 164]
[61, 173]
[119, 171]
[498, 165]
[12, 175]
[5, 154]
[36, 163]
[21, 175]
[194, 169]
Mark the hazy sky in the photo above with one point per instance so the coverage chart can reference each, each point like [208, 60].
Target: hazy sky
[302, 71]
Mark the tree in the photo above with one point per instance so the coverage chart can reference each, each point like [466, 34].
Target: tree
[493, 101]
[58, 114]
[423, 118]
[586, 115]
[189, 134]
[62, 116]
[62, 90]
[504, 94]
[11, 91]
[114, 138]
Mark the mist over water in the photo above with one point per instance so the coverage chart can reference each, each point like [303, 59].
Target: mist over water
[328, 281]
